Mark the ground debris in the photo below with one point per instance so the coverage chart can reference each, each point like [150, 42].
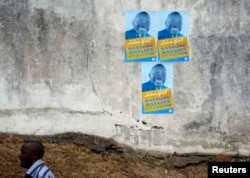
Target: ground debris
[74, 155]
[183, 161]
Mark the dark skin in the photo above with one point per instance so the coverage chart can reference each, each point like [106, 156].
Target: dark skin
[157, 75]
[30, 152]
[141, 23]
[174, 23]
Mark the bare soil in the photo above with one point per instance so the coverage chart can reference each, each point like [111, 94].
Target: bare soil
[70, 160]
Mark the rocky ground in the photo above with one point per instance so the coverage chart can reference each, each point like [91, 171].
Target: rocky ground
[74, 155]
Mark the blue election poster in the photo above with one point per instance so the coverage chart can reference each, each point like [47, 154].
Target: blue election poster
[140, 41]
[172, 37]
[157, 88]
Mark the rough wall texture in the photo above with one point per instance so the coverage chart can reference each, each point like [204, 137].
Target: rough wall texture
[62, 69]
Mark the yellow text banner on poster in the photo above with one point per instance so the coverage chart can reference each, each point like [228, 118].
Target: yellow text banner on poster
[140, 48]
[157, 100]
[172, 48]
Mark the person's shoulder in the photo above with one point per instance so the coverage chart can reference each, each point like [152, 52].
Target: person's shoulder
[45, 172]
[164, 31]
[130, 31]
[147, 86]
[164, 34]
[130, 34]
[146, 83]
[161, 31]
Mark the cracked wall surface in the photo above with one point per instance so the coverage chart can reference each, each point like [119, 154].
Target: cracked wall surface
[62, 70]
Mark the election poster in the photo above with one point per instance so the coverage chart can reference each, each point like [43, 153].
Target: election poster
[157, 88]
[152, 36]
[172, 37]
[140, 41]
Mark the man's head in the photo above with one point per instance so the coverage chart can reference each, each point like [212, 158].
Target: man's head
[30, 152]
[157, 75]
[141, 23]
[173, 23]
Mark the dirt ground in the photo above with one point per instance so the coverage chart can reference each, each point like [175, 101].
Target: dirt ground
[69, 160]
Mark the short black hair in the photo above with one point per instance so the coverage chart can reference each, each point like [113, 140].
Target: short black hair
[142, 13]
[37, 146]
[175, 13]
[158, 65]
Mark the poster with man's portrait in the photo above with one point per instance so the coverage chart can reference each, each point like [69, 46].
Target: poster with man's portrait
[172, 37]
[157, 88]
[140, 32]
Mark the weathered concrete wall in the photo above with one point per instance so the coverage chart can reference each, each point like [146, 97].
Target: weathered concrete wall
[62, 70]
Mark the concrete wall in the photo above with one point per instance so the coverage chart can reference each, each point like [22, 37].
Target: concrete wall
[62, 70]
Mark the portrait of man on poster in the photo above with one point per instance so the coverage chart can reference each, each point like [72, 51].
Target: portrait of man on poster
[157, 85]
[140, 38]
[173, 26]
[157, 77]
[172, 43]
[141, 26]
